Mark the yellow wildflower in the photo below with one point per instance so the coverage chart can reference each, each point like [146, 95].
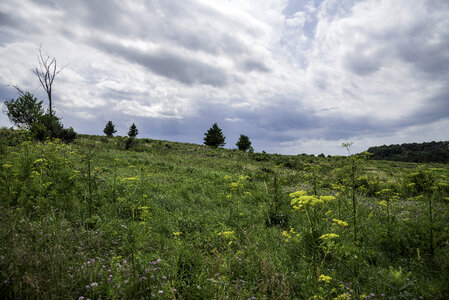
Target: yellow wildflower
[130, 179]
[287, 235]
[383, 203]
[329, 236]
[340, 222]
[227, 234]
[327, 198]
[297, 194]
[243, 177]
[324, 278]
[235, 185]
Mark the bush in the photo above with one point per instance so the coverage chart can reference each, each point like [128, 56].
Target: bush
[50, 127]
[130, 143]
[68, 135]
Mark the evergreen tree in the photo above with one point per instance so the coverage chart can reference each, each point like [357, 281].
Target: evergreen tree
[133, 132]
[214, 137]
[109, 130]
[244, 143]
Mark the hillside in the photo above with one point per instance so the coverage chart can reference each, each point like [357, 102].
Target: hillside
[173, 220]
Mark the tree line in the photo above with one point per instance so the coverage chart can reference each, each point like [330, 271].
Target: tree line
[437, 152]
[27, 112]
[213, 137]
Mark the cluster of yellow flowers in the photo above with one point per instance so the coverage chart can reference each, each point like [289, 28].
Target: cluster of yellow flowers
[237, 185]
[229, 235]
[329, 236]
[324, 278]
[130, 179]
[290, 234]
[339, 222]
[301, 200]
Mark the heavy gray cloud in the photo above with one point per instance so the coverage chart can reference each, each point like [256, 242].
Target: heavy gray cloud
[170, 64]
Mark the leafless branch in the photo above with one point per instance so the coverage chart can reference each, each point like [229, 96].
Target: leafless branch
[46, 73]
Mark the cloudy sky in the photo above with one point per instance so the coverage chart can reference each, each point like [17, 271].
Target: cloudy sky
[296, 76]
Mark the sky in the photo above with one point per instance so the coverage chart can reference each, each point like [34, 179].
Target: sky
[296, 76]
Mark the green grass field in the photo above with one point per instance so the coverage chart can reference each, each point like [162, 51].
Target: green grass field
[182, 221]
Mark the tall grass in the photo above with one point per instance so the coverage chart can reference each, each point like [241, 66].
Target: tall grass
[170, 220]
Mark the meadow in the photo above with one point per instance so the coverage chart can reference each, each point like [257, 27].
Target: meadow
[170, 220]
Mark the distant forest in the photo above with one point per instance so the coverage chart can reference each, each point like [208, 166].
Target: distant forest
[422, 153]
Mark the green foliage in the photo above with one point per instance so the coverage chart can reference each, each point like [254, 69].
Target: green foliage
[414, 152]
[49, 126]
[132, 133]
[24, 111]
[171, 220]
[243, 143]
[109, 130]
[27, 112]
[214, 137]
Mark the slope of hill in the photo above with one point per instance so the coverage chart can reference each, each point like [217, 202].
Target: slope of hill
[172, 220]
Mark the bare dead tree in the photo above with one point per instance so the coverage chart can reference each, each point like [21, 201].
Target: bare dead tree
[46, 72]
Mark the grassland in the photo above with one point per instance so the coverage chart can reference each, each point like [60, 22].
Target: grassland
[182, 221]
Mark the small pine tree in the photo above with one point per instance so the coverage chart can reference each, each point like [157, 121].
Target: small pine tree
[214, 137]
[244, 143]
[109, 130]
[133, 132]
